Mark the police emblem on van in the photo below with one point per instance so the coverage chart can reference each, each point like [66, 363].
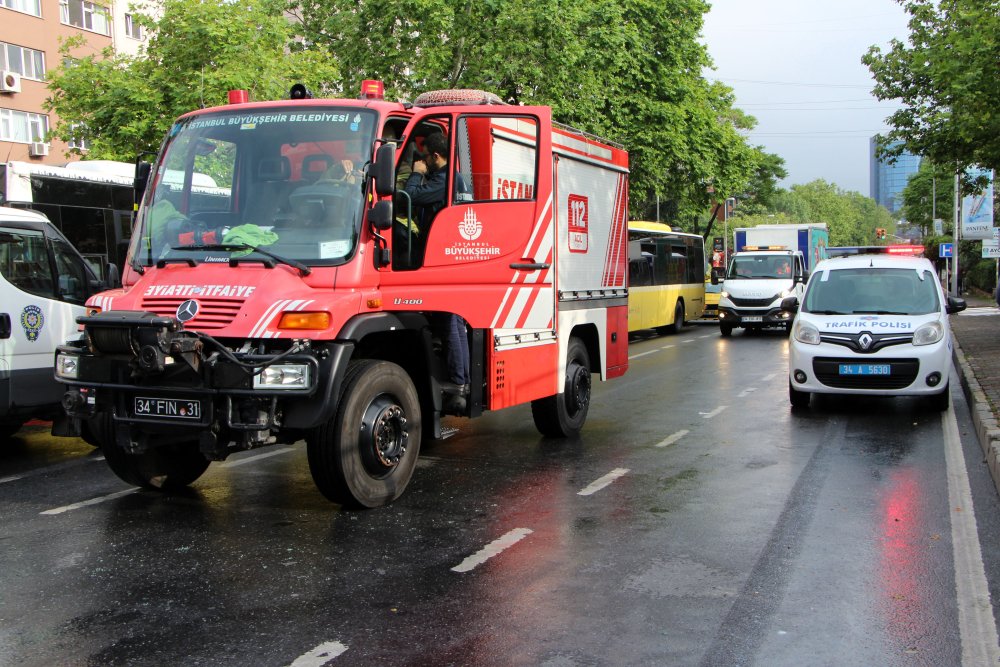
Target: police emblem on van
[32, 321]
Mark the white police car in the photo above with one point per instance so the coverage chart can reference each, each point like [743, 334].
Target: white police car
[871, 324]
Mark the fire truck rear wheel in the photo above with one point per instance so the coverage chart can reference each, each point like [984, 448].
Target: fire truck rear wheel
[365, 455]
[165, 468]
[563, 415]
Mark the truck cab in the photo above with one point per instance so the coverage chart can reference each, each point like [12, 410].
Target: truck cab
[757, 279]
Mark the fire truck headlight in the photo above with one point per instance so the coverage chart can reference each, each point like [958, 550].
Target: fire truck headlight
[67, 365]
[283, 376]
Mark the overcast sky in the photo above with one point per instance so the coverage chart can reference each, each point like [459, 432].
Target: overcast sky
[796, 66]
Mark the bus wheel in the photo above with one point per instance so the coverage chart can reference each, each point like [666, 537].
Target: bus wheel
[726, 329]
[678, 325]
[365, 455]
[166, 468]
[563, 415]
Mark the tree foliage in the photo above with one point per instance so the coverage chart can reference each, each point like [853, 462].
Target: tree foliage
[946, 77]
[929, 192]
[197, 52]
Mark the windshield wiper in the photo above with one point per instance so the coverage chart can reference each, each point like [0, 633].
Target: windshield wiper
[303, 269]
[828, 312]
[879, 312]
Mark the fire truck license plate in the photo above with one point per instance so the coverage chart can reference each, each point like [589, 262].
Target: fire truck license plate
[170, 408]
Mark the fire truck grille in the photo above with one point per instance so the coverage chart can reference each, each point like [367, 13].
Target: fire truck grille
[212, 313]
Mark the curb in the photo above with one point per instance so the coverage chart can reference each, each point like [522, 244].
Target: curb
[983, 419]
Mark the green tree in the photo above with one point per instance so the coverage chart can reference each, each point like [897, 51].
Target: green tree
[929, 192]
[627, 70]
[197, 52]
[946, 77]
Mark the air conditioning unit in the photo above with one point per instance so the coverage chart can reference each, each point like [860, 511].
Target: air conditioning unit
[10, 82]
[38, 149]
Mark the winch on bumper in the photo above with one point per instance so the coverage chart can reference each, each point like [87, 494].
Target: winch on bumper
[160, 384]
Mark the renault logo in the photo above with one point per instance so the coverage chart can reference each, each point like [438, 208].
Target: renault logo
[864, 340]
[187, 310]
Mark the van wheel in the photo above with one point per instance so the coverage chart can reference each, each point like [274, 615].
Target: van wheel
[798, 399]
[563, 415]
[726, 329]
[9, 429]
[939, 401]
[365, 455]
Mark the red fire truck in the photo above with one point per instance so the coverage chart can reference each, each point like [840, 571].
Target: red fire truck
[281, 284]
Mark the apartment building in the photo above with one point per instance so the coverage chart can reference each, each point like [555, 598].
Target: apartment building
[30, 31]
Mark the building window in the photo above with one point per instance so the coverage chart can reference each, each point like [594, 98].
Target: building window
[33, 7]
[86, 15]
[132, 29]
[79, 140]
[29, 63]
[23, 127]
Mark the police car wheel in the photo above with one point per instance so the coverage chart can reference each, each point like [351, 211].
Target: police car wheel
[365, 455]
[563, 415]
[939, 401]
[798, 399]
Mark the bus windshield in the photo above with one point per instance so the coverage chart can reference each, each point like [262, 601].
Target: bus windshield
[288, 182]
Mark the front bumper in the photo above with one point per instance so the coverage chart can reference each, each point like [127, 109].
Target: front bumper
[749, 317]
[914, 370]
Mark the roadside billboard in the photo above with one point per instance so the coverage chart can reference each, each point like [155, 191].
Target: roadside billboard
[977, 212]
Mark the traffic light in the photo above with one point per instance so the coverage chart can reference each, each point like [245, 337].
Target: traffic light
[879, 233]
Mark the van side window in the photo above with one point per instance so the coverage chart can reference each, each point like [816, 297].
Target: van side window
[73, 284]
[24, 261]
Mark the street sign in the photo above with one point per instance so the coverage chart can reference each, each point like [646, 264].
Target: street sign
[991, 250]
[946, 250]
[996, 234]
[938, 226]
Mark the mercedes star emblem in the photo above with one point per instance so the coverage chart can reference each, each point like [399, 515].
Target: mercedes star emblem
[187, 310]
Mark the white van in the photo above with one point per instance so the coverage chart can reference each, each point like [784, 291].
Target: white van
[754, 286]
[44, 283]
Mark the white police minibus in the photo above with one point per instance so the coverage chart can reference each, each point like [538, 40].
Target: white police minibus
[44, 283]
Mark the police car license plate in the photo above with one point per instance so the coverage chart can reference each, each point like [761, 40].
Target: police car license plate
[753, 318]
[169, 408]
[865, 369]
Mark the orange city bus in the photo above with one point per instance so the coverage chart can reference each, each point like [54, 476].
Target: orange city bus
[666, 277]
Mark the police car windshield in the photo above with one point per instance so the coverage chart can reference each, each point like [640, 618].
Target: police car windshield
[872, 291]
[763, 267]
[288, 181]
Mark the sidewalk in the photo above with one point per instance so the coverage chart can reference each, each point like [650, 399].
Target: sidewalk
[976, 331]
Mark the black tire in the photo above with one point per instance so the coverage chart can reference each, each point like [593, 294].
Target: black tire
[365, 455]
[90, 432]
[563, 415]
[726, 329]
[9, 429]
[798, 399]
[939, 402]
[678, 325]
[165, 468]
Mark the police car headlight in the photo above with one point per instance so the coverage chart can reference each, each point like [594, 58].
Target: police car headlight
[67, 365]
[928, 334]
[806, 333]
[283, 376]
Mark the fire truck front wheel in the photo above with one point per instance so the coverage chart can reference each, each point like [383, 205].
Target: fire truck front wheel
[563, 415]
[167, 467]
[365, 455]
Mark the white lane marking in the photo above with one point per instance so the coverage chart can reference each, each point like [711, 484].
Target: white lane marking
[667, 347]
[769, 377]
[87, 503]
[976, 626]
[669, 440]
[709, 415]
[320, 655]
[707, 336]
[257, 457]
[599, 484]
[746, 392]
[47, 469]
[505, 541]
[689, 340]
[641, 354]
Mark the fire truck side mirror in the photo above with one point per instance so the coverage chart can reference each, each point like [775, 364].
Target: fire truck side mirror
[142, 170]
[383, 170]
[381, 215]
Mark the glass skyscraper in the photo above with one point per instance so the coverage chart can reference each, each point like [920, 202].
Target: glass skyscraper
[888, 180]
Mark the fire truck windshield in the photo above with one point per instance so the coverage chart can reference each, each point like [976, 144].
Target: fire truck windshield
[287, 180]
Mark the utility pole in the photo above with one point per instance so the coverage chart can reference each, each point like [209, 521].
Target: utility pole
[957, 234]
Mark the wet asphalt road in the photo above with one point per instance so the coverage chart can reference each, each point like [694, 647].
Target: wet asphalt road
[697, 521]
